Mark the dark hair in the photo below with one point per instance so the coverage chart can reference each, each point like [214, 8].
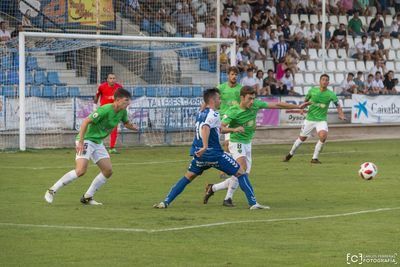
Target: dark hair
[245, 45]
[259, 72]
[351, 74]
[270, 70]
[370, 75]
[122, 93]
[209, 93]
[247, 90]
[233, 69]
[324, 75]
[250, 69]
[360, 72]
[377, 72]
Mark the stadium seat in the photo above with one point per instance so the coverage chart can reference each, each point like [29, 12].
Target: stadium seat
[305, 18]
[12, 77]
[269, 64]
[292, 28]
[395, 43]
[388, 20]
[313, 53]
[53, 78]
[29, 77]
[331, 77]
[294, 18]
[298, 78]
[245, 16]
[201, 27]
[48, 91]
[333, 20]
[9, 91]
[35, 91]
[309, 78]
[162, 91]
[3, 77]
[74, 91]
[197, 91]
[343, 19]
[397, 66]
[138, 91]
[314, 19]
[311, 65]
[151, 91]
[390, 65]
[319, 65]
[373, 10]
[40, 77]
[340, 65]
[259, 64]
[332, 54]
[175, 91]
[302, 65]
[223, 77]
[61, 91]
[386, 43]
[330, 65]
[186, 91]
[392, 11]
[306, 89]
[392, 54]
[342, 53]
[298, 89]
[31, 63]
[351, 65]
[369, 65]
[360, 66]
[339, 77]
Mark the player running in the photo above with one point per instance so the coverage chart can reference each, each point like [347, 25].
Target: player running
[243, 115]
[320, 98]
[208, 153]
[89, 145]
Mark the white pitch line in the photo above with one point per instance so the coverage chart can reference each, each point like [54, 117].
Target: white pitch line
[69, 227]
[163, 162]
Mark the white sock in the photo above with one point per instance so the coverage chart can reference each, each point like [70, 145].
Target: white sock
[96, 184]
[66, 179]
[221, 186]
[233, 185]
[318, 148]
[295, 146]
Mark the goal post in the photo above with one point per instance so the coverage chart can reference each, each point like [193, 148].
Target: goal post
[153, 63]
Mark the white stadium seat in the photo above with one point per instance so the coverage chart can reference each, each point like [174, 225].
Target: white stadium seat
[392, 54]
[373, 10]
[339, 77]
[369, 65]
[363, 20]
[298, 78]
[360, 66]
[351, 65]
[259, 64]
[340, 65]
[302, 65]
[313, 53]
[295, 19]
[397, 65]
[342, 53]
[305, 18]
[331, 66]
[386, 43]
[390, 65]
[201, 27]
[388, 20]
[350, 41]
[311, 65]
[244, 16]
[343, 19]
[332, 54]
[395, 43]
[309, 78]
[298, 89]
[333, 20]
[314, 19]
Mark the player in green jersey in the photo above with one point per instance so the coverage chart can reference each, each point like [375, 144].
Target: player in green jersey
[243, 115]
[320, 98]
[89, 145]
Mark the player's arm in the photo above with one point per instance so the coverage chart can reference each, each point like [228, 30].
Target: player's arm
[340, 111]
[82, 132]
[284, 105]
[205, 134]
[225, 129]
[131, 126]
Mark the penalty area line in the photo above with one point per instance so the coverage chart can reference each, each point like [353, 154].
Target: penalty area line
[209, 225]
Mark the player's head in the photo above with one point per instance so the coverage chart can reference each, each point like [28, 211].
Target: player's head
[324, 81]
[247, 96]
[233, 72]
[212, 98]
[122, 98]
[111, 79]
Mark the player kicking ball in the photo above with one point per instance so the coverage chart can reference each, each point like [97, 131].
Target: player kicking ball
[208, 153]
[320, 97]
[243, 115]
[89, 145]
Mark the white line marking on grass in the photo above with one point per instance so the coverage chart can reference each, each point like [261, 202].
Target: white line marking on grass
[111, 229]
[165, 162]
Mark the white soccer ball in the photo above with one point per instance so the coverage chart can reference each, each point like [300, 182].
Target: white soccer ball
[368, 170]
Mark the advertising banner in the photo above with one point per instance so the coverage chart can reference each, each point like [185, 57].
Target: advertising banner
[268, 117]
[375, 109]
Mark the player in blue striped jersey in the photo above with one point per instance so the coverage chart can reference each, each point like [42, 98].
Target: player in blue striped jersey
[208, 153]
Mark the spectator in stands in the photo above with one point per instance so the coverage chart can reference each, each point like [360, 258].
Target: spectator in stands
[243, 32]
[249, 80]
[262, 90]
[302, 7]
[373, 50]
[244, 7]
[382, 6]
[200, 9]
[379, 66]
[339, 39]
[291, 61]
[259, 5]
[298, 45]
[26, 19]
[234, 32]
[226, 31]
[382, 49]
[5, 35]
[345, 7]
[376, 25]
[283, 12]
[280, 69]
[302, 29]
[273, 40]
[389, 84]
[256, 19]
[247, 61]
[328, 34]
[210, 31]
[355, 26]
[287, 80]
[184, 20]
[133, 11]
[275, 86]
[223, 58]
[229, 6]
[362, 52]
[269, 19]
[15, 33]
[279, 50]
[368, 84]
[313, 37]
[358, 80]
[397, 5]
[255, 48]
[377, 84]
[272, 8]
[395, 27]
[348, 86]
[236, 17]
[286, 31]
[362, 6]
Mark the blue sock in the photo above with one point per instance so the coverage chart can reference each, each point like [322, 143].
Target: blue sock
[176, 190]
[246, 187]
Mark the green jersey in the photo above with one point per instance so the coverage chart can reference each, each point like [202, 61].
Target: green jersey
[236, 116]
[104, 120]
[320, 100]
[229, 96]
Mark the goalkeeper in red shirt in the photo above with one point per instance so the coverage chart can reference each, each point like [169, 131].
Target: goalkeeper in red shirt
[106, 92]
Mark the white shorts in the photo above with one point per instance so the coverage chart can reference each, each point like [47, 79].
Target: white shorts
[308, 126]
[241, 150]
[93, 151]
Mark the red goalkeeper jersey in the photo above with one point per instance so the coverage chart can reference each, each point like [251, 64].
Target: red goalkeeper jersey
[106, 93]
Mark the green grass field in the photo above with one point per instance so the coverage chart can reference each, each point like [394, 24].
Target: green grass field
[127, 231]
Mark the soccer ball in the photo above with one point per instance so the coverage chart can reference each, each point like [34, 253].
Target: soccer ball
[368, 170]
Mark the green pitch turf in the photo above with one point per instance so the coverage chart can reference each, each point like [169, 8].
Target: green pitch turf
[127, 231]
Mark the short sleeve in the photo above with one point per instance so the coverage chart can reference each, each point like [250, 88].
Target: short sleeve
[97, 115]
[308, 96]
[124, 118]
[212, 119]
[334, 99]
[260, 104]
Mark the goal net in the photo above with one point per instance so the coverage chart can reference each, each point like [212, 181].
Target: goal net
[52, 80]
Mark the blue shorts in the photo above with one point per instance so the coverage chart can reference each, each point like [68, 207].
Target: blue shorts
[223, 162]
